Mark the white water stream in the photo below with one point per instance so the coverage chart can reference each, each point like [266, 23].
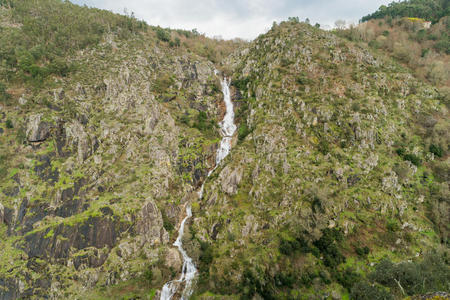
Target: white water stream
[189, 270]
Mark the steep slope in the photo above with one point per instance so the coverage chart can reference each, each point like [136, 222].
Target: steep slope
[98, 161]
[340, 160]
[332, 171]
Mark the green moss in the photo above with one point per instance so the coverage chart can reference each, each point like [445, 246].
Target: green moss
[49, 234]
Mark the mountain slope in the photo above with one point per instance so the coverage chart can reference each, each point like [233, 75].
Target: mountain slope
[340, 161]
[332, 172]
[97, 162]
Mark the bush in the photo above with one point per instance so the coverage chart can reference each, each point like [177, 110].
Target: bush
[429, 275]
[202, 123]
[363, 252]
[243, 131]
[324, 146]
[148, 275]
[9, 124]
[328, 247]
[167, 224]
[414, 159]
[348, 278]
[162, 83]
[436, 150]
[241, 84]
[365, 291]
[162, 34]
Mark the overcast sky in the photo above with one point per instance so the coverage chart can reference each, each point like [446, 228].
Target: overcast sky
[237, 18]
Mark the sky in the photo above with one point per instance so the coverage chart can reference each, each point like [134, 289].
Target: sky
[237, 18]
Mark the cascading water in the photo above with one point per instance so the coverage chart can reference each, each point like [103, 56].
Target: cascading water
[189, 270]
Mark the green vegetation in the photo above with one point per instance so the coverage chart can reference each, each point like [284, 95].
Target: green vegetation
[162, 34]
[50, 30]
[4, 96]
[431, 10]
[9, 124]
[336, 186]
[400, 31]
[436, 150]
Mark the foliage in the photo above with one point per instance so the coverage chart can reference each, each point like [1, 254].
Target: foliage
[424, 50]
[365, 291]
[162, 34]
[328, 246]
[50, 31]
[431, 10]
[148, 275]
[414, 159]
[167, 224]
[412, 278]
[162, 83]
[362, 251]
[436, 150]
[9, 124]
[202, 123]
[348, 278]
[243, 131]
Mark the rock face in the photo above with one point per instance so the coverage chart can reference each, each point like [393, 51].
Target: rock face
[57, 243]
[173, 259]
[37, 130]
[230, 179]
[150, 225]
[79, 139]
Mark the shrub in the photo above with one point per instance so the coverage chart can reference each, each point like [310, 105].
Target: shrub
[162, 34]
[148, 275]
[348, 278]
[363, 252]
[392, 225]
[328, 247]
[243, 131]
[324, 146]
[167, 224]
[9, 124]
[162, 83]
[414, 159]
[429, 275]
[241, 84]
[202, 123]
[365, 291]
[436, 150]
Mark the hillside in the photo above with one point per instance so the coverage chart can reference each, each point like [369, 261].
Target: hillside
[335, 171]
[336, 185]
[431, 10]
[411, 41]
[98, 159]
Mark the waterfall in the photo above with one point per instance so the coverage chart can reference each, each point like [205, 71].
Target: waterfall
[188, 272]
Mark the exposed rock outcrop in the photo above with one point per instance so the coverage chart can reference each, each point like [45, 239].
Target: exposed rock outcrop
[150, 225]
[37, 130]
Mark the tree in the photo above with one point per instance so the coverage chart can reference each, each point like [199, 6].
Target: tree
[340, 24]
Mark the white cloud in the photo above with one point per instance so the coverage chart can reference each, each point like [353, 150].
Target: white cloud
[237, 18]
